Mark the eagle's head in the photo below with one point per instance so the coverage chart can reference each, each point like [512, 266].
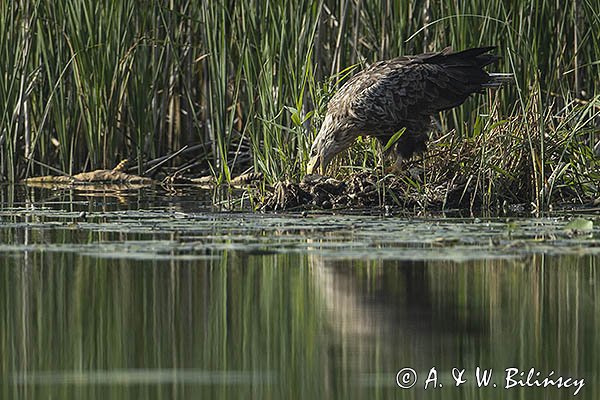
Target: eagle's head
[333, 138]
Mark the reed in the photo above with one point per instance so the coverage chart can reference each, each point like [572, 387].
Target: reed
[85, 84]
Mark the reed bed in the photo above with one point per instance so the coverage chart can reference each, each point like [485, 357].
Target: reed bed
[84, 84]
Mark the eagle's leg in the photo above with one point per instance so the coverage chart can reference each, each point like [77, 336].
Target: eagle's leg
[396, 167]
[411, 143]
[393, 154]
[408, 147]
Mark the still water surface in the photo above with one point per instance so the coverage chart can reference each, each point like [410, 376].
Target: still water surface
[155, 297]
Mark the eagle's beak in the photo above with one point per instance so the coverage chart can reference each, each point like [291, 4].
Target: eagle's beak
[313, 164]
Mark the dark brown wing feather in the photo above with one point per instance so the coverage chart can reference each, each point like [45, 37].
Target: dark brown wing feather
[406, 91]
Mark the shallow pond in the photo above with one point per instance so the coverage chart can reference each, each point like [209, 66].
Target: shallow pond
[145, 295]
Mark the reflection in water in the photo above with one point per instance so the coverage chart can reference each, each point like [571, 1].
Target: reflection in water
[163, 304]
[141, 376]
[289, 325]
[540, 312]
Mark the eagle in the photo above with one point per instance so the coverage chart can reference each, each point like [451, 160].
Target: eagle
[400, 96]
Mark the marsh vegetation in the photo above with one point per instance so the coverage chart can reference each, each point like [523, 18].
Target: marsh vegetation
[221, 88]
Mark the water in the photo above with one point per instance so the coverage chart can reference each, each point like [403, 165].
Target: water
[153, 296]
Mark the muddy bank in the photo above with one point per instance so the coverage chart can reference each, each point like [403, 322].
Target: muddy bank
[366, 190]
[361, 190]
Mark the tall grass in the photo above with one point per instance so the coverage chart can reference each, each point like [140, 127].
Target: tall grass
[84, 84]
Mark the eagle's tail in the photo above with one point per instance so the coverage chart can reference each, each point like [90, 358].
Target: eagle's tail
[475, 57]
[499, 79]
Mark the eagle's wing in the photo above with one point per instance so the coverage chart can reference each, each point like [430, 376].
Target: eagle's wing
[406, 91]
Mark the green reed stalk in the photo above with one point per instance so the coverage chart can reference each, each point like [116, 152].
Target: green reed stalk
[85, 84]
